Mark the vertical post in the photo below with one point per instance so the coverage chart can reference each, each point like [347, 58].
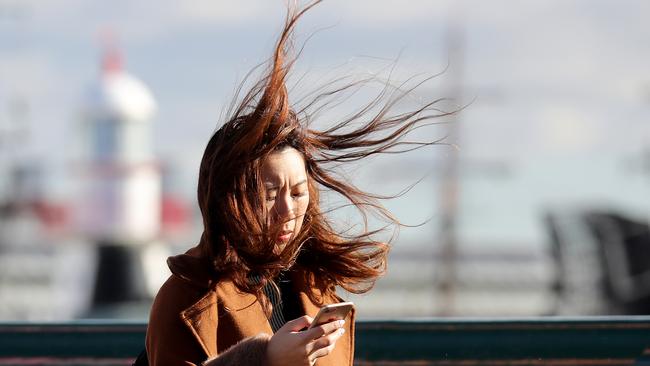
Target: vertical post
[449, 192]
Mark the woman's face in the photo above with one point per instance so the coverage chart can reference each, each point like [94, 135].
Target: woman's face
[286, 193]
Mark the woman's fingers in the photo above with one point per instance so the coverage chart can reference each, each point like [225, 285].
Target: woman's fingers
[324, 345]
[297, 324]
[324, 329]
[312, 343]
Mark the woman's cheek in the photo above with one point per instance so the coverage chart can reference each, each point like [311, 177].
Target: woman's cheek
[304, 203]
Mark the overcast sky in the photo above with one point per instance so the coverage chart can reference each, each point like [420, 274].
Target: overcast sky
[561, 89]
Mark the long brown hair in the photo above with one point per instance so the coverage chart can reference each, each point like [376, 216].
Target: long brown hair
[232, 206]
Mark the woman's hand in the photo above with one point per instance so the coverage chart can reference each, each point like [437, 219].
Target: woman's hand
[291, 346]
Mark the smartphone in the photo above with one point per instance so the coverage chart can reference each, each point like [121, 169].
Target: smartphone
[332, 312]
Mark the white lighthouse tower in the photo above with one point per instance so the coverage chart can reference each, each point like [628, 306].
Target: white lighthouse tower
[122, 206]
[125, 201]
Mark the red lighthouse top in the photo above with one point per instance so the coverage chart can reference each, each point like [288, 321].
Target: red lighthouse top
[112, 58]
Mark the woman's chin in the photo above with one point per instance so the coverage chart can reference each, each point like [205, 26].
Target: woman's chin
[280, 245]
[281, 241]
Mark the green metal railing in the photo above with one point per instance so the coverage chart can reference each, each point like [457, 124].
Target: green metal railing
[467, 342]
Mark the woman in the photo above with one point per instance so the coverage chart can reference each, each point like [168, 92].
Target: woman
[268, 259]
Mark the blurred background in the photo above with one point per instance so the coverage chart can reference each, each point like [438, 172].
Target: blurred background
[541, 209]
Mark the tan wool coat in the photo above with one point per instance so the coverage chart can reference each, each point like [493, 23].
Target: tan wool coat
[195, 318]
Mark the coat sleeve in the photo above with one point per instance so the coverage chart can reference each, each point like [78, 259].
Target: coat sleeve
[170, 342]
[250, 351]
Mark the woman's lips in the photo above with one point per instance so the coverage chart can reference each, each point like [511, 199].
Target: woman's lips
[284, 236]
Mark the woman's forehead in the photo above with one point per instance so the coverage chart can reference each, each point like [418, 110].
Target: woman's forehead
[285, 164]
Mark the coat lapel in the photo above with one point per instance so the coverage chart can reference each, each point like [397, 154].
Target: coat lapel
[217, 326]
[201, 319]
[302, 288]
[243, 310]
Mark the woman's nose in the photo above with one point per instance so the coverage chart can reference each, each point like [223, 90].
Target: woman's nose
[284, 207]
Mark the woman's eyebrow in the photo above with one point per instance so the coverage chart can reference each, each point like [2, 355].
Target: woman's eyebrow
[271, 186]
[301, 182]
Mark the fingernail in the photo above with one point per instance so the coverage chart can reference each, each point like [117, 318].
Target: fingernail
[341, 322]
[342, 330]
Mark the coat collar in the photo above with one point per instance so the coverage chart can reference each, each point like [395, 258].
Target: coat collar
[302, 286]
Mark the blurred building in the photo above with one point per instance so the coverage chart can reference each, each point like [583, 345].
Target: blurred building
[102, 244]
[602, 260]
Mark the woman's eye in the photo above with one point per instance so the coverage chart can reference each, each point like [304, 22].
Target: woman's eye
[300, 194]
[269, 198]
